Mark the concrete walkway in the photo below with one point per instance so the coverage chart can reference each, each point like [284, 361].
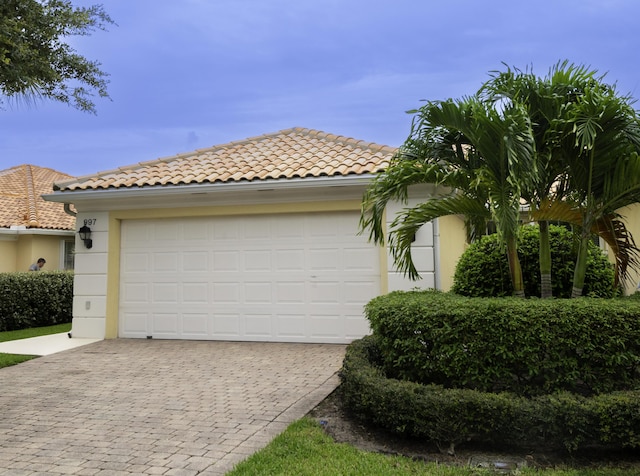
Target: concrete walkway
[129, 406]
[43, 345]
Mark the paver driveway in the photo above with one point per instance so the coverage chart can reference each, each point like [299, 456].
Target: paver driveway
[129, 406]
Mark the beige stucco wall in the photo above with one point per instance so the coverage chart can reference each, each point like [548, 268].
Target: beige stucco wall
[8, 255]
[451, 244]
[49, 248]
[20, 251]
[24, 252]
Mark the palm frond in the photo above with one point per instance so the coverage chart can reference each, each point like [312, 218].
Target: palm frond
[393, 185]
[615, 233]
[407, 223]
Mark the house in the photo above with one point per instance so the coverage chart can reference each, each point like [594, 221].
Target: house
[254, 240]
[30, 227]
[630, 215]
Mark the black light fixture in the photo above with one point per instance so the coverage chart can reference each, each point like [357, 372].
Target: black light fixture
[85, 236]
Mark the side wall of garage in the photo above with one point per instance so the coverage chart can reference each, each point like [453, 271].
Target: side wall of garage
[90, 277]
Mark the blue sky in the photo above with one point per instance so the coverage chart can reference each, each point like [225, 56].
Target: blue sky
[191, 74]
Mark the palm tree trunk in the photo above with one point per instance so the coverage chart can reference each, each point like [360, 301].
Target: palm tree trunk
[587, 220]
[581, 267]
[545, 261]
[514, 267]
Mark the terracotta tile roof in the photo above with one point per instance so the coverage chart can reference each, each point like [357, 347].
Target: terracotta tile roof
[291, 153]
[20, 201]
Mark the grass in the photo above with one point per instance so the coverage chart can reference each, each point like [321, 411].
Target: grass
[13, 359]
[305, 449]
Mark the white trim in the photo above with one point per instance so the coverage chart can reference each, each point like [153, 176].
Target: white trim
[21, 230]
[70, 196]
[63, 260]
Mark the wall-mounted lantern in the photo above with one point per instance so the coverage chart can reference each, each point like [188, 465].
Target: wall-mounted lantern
[85, 236]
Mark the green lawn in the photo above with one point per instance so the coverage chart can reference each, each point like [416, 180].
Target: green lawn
[13, 359]
[305, 449]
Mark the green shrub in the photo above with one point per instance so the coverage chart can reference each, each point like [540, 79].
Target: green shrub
[452, 416]
[35, 299]
[483, 271]
[526, 346]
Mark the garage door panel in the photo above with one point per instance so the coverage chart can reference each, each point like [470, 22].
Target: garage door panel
[195, 261]
[290, 260]
[167, 232]
[165, 324]
[195, 325]
[355, 327]
[290, 326]
[134, 292]
[226, 261]
[136, 262]
[137, 234]
[195, 293]
[325, 259]
[324, 292]
[287, 230]
[165, 262]
[225, 229]
[257, 260]
[226, 292]
[165, 293]
[323, 326]
[256, 229]
[135, 323]
[289, 277]
[258, 293]
[226, 325]
[194, 233]
[259, 325]
[357, 291]
[324, 230]
[288, 292]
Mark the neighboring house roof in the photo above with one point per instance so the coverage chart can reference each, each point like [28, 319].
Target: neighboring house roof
[21, 204]
[291, 153]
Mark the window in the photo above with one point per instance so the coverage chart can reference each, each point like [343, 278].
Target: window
[68, 254]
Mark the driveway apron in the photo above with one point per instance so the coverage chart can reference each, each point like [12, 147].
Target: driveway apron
[129, 406]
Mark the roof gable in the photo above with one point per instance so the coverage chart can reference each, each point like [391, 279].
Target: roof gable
[290, 153]
[21, 203]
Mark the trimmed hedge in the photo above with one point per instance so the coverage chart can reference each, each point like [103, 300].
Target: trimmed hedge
[483, 271]
[525, 346]
[452, 416]
[35, 299]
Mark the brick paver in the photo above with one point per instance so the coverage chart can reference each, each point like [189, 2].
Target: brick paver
[128, 406]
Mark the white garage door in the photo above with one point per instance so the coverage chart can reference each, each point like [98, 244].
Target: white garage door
[284, 278]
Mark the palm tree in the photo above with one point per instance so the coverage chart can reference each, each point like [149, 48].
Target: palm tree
[601, 131]
[545, 100]
[570, 109]
[482, 154]
[568, 145]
